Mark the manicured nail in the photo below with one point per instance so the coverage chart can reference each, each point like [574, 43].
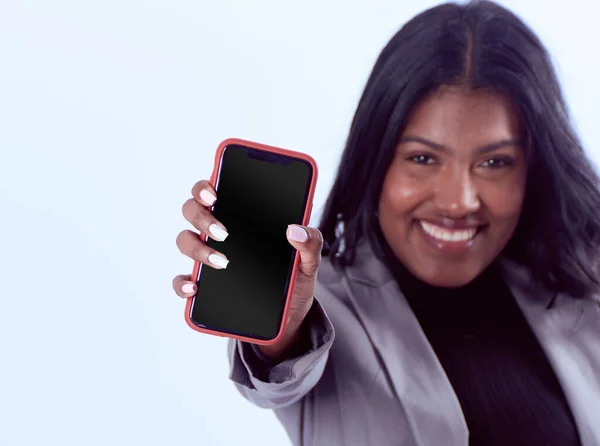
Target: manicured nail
[205, 195]
[297, 233]
[188, 288]
[218, 232]
[218, 260]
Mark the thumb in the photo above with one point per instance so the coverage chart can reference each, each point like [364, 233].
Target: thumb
[309, 243]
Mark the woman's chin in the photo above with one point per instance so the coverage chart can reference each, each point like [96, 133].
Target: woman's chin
[450, 278]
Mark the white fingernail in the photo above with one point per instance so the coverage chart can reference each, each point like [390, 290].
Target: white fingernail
[218, 260]
[218, 232]
[188, 288]
[207, 196]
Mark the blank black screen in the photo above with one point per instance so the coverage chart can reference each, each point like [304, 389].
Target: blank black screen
[258, 195]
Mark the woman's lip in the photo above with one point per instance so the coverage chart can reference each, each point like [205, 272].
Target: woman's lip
[450, 247]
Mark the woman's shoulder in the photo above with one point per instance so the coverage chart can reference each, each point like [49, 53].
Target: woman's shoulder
[520, 278]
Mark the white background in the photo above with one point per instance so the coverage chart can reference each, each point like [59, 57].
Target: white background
[109, 112]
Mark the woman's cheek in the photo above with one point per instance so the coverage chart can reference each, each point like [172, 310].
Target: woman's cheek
[405, 194]
[504, 200]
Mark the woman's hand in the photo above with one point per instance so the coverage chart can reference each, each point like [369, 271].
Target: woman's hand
[308, 242]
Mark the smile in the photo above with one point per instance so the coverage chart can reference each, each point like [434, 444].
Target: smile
[448, 235]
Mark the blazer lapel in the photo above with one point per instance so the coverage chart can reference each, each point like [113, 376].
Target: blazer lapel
[569, 333]
[408, 360]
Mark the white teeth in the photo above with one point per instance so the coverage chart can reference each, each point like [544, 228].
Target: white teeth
[448, 235]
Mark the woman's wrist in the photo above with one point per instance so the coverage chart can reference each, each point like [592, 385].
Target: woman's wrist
[293, 342]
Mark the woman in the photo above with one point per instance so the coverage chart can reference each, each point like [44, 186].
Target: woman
[456, 300]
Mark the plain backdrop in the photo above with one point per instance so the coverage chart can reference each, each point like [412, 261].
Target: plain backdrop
[109, 112]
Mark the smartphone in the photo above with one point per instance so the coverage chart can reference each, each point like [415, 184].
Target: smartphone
[260, 191]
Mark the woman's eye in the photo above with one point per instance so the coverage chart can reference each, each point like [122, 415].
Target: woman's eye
[497, 163]
[422, 159]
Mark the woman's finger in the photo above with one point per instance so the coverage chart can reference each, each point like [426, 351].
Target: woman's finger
[184, 286]
[203, 220]
[189, 244]
[204, 193]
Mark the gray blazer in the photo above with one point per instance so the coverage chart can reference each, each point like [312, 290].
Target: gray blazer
[380, 382]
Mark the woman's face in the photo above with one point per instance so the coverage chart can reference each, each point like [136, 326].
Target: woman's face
[452, 196]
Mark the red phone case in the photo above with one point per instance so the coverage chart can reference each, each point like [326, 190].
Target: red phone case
[305, 221]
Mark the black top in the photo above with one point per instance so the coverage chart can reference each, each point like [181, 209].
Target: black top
[506, 387]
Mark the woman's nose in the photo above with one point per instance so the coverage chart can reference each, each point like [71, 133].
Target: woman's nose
[456, 195]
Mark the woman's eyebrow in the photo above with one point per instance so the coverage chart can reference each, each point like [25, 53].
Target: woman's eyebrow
[445, 149]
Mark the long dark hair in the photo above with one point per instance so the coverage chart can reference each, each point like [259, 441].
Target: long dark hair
[483, 46]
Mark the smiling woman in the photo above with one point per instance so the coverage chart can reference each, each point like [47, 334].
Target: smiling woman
[452, 196]
[468, 78]
[456, 300]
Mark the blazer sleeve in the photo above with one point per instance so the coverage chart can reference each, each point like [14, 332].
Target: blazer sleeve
[274, 385]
